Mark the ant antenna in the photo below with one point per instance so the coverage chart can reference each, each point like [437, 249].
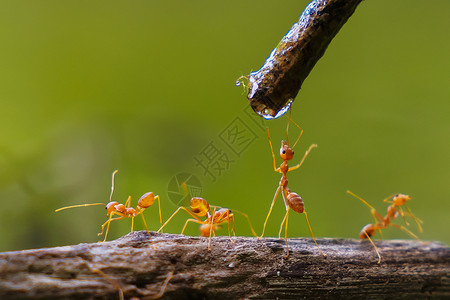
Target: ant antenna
[287, 127]
[79, 205]
[298, 126]
[248, 219]
[375, 214]
[112, 185]
[92, 204]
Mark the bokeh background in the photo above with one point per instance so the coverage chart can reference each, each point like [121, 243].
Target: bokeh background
[148, 87]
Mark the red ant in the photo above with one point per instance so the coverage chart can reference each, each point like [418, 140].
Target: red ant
[393, 211]
[124, 210]
[200, 208]
[291, 199]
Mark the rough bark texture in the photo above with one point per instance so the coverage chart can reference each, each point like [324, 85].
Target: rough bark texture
[246, 268]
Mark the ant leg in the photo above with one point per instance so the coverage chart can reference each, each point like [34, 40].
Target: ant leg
[402, 213]
[107, 228]
[107, 222]
[243, 80]
[159, 207]
[248, 219]
[374, 216]
[128, 202]
[234, 229]
[181, 207]
[405, 230]
[229, 230]
[148, 231]
[231, 220]
[284, 192]
[211, 228]
[190, 220]
[304, 157]
[281, 226]
[312, 234]
[273, 154]
[285, 232]
[229, 217]
[270, 210]
[128, 205]
[375, 247]
[225, 216]
[372, 209]
[381, 233]
[416, 220]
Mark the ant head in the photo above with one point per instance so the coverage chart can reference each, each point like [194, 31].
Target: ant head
[146, 200]
[400, 199]
[111, 206]
[199, 206]
[286, 152]
[222, 214]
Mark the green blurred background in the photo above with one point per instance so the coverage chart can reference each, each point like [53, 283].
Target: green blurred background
[87, 87]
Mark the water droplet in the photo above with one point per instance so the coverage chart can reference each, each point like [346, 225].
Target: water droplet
[269, 114]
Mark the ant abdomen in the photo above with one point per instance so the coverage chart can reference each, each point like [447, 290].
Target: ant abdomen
[367, 230]
[199, 206]
[295, 202]
[205, 230]
[146, 200]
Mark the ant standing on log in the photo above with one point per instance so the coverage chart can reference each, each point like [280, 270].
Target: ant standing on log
[291, 199]
[393, 211]
[124, 210]
[200, 208]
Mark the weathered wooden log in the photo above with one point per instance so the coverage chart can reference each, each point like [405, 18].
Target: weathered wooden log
[245, 268]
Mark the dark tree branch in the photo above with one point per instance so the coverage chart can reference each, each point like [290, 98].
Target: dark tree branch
[272, 88]
[248, 268]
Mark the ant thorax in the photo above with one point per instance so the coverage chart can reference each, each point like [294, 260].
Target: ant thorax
[284, 167]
